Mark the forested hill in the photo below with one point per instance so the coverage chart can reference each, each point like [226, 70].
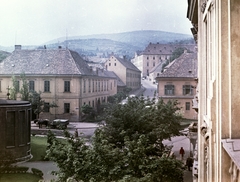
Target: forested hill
[126, 43]
[120, 43]
[3, 55]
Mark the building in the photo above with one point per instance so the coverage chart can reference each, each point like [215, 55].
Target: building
[129, 74]
[178, 82]
[61, 76]
[15, 130]
[155, 54]
[216, 29]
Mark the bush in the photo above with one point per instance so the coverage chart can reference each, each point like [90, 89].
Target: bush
[37, 172]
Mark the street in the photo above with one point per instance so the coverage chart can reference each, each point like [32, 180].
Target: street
[150, 88]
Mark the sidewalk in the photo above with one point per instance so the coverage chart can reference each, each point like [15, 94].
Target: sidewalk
[45, 166]
[178, 142]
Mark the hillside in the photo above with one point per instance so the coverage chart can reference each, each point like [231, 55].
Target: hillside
[126, 43]
[3, 55]
[120, 43]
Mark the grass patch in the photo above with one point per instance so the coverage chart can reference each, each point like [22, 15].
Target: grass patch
[38, 148]
[19, 178]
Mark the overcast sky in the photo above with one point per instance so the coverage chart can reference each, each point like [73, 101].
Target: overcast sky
[34, 22]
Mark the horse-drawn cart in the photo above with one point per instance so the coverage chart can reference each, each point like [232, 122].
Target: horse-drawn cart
[58, 123]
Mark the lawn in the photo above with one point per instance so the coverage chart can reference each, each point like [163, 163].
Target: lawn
[19, 178]
[38, 148]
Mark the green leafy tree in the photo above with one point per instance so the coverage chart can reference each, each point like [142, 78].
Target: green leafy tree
[89, 111]
[24, 91]
[128, 148]
[14, 89]
[38, 104]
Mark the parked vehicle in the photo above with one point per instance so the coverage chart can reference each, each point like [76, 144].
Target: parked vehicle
[59, 123]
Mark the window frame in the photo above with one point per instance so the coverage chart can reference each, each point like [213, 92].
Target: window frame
[31, 85]
[187, 106]
[67, 86]
[66, 107]
[187, 89]
[46, 86]
[169, 89]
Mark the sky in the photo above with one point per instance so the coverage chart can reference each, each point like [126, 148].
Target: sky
[35, 22]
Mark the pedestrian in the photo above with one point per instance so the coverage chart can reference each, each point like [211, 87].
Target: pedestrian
[76, 133]
[189, 163]
[181, 152]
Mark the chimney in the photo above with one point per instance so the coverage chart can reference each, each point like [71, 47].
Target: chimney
[18, 47]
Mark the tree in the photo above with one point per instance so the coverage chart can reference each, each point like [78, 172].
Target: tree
[38, 104]
[24, 91]
[14, 89]
[128, 148]
[89, 111]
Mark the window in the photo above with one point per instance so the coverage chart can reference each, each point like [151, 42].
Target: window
[115, 64]
[84, 86]
[31, 85]
[169, 89]
[89, 86]
[187, 105]
[153, 63]
[109, 64]
[0, 86]
[147, 63]
[66, 107]
[93, 86]
[46, 86]
[66, 86]
[46, 107]
[187, 90]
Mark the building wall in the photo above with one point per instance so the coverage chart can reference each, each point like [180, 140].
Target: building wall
[218, 50]
[133, 79]
[112, 64]
[150, 61]
[137, 61]
[130, 77]
[178, 94]
[77, 97]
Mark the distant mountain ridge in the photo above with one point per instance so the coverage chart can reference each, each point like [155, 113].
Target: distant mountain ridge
[120, 43]
[126, 43]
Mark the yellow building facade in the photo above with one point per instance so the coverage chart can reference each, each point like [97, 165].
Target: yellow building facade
[177, 82]
[62, 77]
